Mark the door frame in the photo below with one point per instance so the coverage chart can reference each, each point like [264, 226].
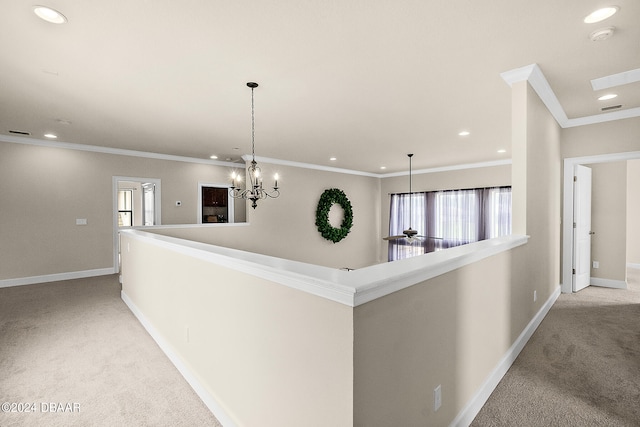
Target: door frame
[114, 210]
[567, 207]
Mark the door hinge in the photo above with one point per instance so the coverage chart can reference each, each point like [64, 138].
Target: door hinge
[575, 178]
[574, 225]
[574, 271]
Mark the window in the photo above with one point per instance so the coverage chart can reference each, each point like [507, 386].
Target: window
[445, 219]
[125, 208]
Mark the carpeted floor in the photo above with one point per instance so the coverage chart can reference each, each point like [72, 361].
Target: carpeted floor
[580, 368]
[76, 345]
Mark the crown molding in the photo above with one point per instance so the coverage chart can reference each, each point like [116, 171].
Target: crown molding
[450, 168]
[302, 165]
[615, 80]
[110, 150]
[246, 157]
[533, 74]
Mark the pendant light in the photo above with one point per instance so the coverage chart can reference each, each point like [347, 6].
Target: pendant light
[254, 190]
[410, 234]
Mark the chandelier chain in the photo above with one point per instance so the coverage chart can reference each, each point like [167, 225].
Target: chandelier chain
[253, 128]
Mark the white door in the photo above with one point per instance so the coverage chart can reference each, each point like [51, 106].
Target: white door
[582, 228]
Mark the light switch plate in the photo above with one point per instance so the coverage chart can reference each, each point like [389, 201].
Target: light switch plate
[81, 221]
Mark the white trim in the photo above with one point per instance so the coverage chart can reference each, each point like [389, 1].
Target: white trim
[533, 74]
[471, 409]
[615, 80]
[351, 288]
[567, 207]
[451, 168]
[150, 155]
[248, 157]
[110, 150]
[56, 277]
[214, 224]
[608, 283]
[633, 265]
[211, 403]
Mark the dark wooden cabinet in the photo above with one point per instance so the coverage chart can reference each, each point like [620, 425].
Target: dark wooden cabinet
[214, 197]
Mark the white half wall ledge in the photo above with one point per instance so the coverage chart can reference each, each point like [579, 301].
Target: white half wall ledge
[351, 288]
[533, 74]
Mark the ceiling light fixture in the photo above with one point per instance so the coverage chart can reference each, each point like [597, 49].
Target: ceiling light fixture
[214, 157]
[49, 15]
[50, 136]
[465, 133]
[410, 234]
[502, 150]
[254, 190]
[333, 159]
[607, 97]
[601, 14]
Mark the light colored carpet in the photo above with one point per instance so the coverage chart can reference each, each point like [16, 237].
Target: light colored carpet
[75, 342]
[580, 368]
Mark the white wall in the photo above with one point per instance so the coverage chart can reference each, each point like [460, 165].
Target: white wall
[45, 189]
[609, 220]
[268, 354]
[633, 213]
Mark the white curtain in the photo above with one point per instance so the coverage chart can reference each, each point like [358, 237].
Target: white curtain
[407, 211]
[498, 212]
[444, 219]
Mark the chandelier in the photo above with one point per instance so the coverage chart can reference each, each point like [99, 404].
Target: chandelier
[254, 190]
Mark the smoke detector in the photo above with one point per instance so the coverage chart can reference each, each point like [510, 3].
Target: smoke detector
[601, 34]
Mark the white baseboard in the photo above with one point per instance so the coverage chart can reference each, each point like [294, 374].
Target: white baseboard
[6, 283]
[608, 283]
[469, 412]
[633, 265]
[215, 408]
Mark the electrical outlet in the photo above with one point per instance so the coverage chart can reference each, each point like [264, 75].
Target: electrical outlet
[437, 397]
[535, 296]
[596, 264]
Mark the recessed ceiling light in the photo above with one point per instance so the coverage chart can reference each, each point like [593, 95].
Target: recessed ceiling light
[49, 15]
[213, 156]
[601, 14]
[383, 167]
[50, 135]
[464, 133]
[502, 150]
[607, 97]
[333, 159]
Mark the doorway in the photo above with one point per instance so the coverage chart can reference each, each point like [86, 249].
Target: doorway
[568, 244]
[136, 203]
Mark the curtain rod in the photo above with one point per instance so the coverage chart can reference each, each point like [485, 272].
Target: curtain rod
[457, 189]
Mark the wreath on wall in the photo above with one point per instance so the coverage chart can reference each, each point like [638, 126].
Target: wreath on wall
[328, 198]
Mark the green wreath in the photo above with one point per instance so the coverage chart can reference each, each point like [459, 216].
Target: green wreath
[328, 198]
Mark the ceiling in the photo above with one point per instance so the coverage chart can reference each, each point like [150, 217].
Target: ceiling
[365, 82]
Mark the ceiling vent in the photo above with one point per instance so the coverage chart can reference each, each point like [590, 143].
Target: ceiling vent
[601, 34]
[20, 132]
[612, 107]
